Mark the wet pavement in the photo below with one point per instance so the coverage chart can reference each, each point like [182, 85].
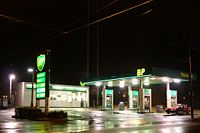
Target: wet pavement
[94, 121]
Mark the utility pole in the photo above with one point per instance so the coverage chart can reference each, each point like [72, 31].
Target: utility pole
[190, 84]
[97, 35]
[47, 82]
[88, 43]
[190, 73]
[97, 50]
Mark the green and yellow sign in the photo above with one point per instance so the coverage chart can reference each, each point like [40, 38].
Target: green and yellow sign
[140, 72]
[41, 62]
[41, 85]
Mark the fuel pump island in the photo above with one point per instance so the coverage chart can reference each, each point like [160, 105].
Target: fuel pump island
[140, 87]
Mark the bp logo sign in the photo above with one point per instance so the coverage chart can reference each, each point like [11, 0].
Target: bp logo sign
[41, 62]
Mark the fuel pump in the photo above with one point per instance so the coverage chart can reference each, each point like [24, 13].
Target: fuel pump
[173, 98]
[109, 99]
[135, 99]
[147, 100]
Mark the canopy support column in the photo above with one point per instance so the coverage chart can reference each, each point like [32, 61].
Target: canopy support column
[130, 92]
[168, 92]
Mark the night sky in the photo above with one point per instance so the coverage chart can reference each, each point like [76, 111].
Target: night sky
[154, 34]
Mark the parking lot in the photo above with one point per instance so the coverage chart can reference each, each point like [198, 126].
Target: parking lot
[94, 120]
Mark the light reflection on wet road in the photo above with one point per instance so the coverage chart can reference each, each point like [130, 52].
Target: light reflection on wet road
[100, 121]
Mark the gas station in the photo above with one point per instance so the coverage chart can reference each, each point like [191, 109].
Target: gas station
[139, 87]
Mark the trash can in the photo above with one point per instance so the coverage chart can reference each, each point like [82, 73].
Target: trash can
[121, 106]
[159, 108]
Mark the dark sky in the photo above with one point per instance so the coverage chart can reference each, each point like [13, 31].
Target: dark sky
[154, 34]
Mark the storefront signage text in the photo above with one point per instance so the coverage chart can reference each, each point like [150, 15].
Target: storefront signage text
[140, 72]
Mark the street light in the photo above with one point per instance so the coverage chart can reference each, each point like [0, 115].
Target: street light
[31, 70]
[11, 77]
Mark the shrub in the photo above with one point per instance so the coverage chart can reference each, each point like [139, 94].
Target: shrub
[57, 114]
[27, 112]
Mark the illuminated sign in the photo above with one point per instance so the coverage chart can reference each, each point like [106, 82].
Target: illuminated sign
[41, 85]
[147, 92]
[61, 87]
[68, 88]
[185, 75]
[173, 93]
[82, 84]
[41, 62]
[109, 92]
[135, 93]
[29, 86]
[140, 72]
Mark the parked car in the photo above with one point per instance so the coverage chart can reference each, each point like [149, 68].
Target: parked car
[178, 109]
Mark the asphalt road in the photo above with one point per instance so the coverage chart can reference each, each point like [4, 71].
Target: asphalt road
[93, 121]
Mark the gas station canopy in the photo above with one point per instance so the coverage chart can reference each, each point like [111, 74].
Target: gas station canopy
[155, 76]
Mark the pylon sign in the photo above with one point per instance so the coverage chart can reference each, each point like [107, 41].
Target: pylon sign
[42, 85]
[41, 62]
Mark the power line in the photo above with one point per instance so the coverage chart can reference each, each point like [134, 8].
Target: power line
[94, 22]
[88, 21]
[53, 29]
[78, 28]
[92, 13]
[30, 23]
[110, 16]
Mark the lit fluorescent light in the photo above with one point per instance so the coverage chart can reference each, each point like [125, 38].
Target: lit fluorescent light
[152, 78]
[110, 83]
[135, 81]
[98, 84]
[165, 79]
[177, 80]
[146, 81]
[121, 84]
